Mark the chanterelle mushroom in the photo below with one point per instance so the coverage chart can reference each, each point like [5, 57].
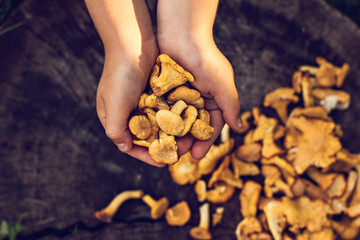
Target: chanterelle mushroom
[331, 99]
[186, 170]
[249, 198]
[139, 125]
[201, 232]
[178, 215]
[170, 121]
[158, 208]
[167, 74]
[164, 149]
[190, 96]
[108, 212]
[279, 100]
[314, 145]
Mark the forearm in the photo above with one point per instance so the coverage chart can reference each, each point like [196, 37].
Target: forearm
[186, 19]
[124, 25]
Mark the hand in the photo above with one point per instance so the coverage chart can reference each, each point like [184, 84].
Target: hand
[214, 78]
[123, 80]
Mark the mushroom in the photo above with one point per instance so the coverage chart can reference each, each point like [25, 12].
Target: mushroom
[200, 190]
[178, 215]
[338, 187]
[201, 232]
[225, 133]
[249, 152]
[264, 125]
[153, 101]
[339, 205]
[260, 236]
[313, 144]
[139, 125]
[204, 115]
[208, 163]
[298, 213]
[201, 130]
[306, 87]
[217, 216]
[315, 192]
[329, 75]
[186, 170]
[269, 147]
[273, 182]
[249, 199]
[167, 74]
[353, 209]
[170, 122]
[325, 234]
[109, 211]
[324, 180]
[221, 193]
[331, 99]
[223, 173]
[189, 116]
[247, 227]
[164, 149]
[242, 168]
[281, 163]
[141, 103]
[347, 228]
[158, 207]
[249, 137]
[279, 99]
[341, 74]
[190, 96]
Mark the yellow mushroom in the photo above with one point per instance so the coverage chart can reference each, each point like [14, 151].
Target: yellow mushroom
[158, 207]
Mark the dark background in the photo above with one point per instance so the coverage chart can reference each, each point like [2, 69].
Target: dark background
[56, 163]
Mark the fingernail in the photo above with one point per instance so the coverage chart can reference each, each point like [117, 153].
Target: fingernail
[123, 147]
[239, 123]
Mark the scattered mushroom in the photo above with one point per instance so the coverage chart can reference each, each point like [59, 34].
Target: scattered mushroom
[331, 99]
[186, 170]
[217, 216]
[249, 198]
[201, 232]
[158, 208]
[279, 100]
[249, 152]
[178, 215]
[247, 227]
[109, 211]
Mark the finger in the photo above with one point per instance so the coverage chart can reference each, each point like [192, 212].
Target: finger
[116, 123]
[200, 148]
[142, 154]
[228, 101]
[184, 143]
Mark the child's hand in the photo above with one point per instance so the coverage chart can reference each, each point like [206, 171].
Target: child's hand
[214, 78]
[123, 81]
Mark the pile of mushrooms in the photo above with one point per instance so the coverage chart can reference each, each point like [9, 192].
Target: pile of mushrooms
[170, 109]
[293, 177]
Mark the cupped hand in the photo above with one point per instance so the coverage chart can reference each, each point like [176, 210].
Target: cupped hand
[122, 82]
[214, 78]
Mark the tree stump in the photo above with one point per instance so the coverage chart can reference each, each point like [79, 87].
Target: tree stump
[57, 164]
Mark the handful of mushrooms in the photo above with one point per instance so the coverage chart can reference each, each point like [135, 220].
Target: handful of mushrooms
[171, 109]
[295, 179]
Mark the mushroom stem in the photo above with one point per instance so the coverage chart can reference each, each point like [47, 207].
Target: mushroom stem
[178, 107]
[109, 211]
[204, 216]
[149, 200]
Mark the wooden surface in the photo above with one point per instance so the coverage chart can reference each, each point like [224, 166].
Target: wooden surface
[56, 163]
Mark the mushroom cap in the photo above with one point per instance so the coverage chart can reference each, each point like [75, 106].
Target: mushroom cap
[188, 95]
[164, 150]
[140, 126]
[178, 215]
[249, 152]
[167, 74]
[249, 198]
[201, 130]
[200, 233]
[221, 193]
[332, 99]
[159, 208]
[185, 170]
[170, 122]
[189, 117]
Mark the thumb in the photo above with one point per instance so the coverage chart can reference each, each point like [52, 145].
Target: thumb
[227, 100]
[116, 124]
